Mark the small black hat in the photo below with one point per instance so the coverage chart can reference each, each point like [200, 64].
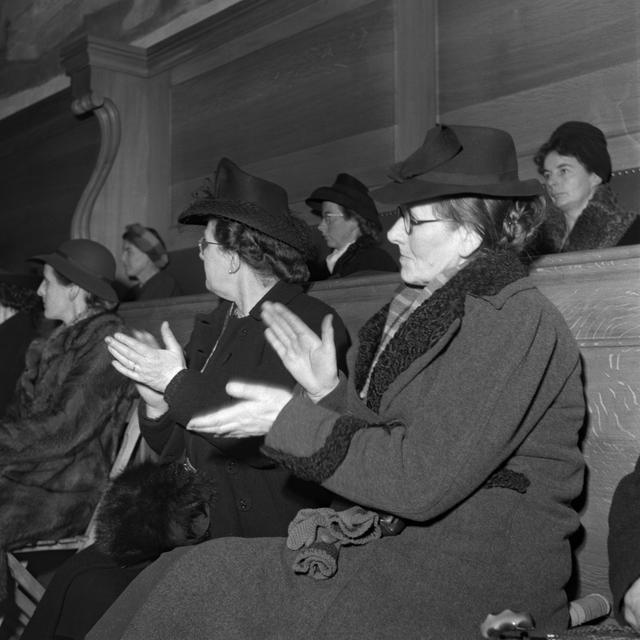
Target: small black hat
[348, 192]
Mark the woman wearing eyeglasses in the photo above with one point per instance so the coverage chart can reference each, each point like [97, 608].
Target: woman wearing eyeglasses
[456, 435]
[351, 228]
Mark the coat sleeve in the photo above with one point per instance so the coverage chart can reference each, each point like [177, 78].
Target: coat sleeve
[72, 418]
[624, 538]
[451, 429]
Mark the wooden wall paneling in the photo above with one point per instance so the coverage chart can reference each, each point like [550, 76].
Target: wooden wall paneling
[495, 48]
[327, 82]
[137, 186]
[46, 158]
[608, 98]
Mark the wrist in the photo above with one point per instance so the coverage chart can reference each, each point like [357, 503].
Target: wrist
[316, 396]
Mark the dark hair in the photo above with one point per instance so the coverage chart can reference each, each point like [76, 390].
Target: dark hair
[266, 255]
[368, 228]
[500, 222]
[562, 148]
[92, 300]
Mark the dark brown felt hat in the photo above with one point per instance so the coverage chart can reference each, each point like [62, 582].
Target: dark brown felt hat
[348, 192]
[458, 160]
[252, 201]
[86, 263]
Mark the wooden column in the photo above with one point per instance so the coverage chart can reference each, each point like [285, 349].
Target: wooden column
[416, 73]
[131, 180]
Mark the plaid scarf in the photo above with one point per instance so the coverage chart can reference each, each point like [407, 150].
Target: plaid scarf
[402, 305]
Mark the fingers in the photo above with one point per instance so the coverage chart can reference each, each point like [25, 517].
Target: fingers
[285, 323]
[169, 338]
[327, 330]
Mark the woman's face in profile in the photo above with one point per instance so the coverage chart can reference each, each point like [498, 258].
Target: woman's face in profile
[337, 230]
[432, 246]
[55, 297]
[569, 184]
[216, 262]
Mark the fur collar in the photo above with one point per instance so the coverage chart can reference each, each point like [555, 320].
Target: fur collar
[602, 224]
[486, 275]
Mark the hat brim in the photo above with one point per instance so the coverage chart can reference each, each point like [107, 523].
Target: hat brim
[82, 278]
[416, 190]
[329, 194]
[282, 228]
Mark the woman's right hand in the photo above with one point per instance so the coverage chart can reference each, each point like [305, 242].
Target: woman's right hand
[311, 360]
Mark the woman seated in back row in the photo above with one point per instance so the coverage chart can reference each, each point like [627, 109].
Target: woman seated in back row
[351, 228]
[582, 212]
[456, 437]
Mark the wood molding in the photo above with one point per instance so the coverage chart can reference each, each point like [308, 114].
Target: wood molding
[109, 121]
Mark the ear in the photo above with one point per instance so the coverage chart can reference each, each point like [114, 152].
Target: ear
[594, 180]
[234, 262]
[74, 291]
[470, 240]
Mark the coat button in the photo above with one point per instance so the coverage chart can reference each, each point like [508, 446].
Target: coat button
[244, 504]
[232, 466]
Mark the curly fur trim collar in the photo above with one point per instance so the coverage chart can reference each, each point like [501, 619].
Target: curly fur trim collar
[602, 224]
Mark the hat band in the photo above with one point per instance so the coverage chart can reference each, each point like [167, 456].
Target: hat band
[80, 266]
[476, 179]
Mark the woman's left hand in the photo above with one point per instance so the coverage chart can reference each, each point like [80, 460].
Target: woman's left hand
[144, 362]
[254, 415]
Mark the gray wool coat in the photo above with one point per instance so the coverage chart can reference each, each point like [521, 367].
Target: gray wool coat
[473, 441]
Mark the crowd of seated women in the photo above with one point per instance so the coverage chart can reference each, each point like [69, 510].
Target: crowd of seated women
[390, 490]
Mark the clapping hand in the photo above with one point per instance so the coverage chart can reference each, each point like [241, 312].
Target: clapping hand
[141, 359]
[310, 359]
[254, 415]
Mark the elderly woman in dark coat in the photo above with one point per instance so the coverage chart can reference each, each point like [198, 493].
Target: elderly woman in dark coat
[351, 228]
[60, 433]
[456, 437]
[582, 210]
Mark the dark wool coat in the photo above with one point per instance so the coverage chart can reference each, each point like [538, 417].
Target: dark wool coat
[469, 433]
[364, 255]
[602, 224]
[624, 538]
[60, 435]
[256, 497]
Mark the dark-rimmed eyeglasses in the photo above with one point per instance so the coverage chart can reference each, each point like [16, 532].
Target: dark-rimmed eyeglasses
[410, 221]
[203, 243]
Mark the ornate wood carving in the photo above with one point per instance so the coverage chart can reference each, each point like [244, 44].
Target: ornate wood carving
[109, 120]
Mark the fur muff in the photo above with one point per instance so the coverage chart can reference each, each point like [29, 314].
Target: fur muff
[150, 509]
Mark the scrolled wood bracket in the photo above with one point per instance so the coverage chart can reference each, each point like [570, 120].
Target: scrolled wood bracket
[110, 130]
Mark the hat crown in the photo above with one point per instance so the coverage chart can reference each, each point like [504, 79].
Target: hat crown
[89, 256]
[232, 183]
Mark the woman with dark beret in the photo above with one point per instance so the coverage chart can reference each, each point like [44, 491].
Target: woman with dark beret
[453, 444]
[583, 211]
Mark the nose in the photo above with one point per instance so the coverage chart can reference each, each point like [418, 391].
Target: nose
[40, 290]
[397, 234]
[323, 225]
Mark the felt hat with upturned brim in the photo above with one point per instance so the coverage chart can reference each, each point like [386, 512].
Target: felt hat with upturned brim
[458, 160]
[252, 201]
[348, 192]
[86, 263]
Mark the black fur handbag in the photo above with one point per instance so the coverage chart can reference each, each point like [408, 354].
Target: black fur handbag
[152, 508]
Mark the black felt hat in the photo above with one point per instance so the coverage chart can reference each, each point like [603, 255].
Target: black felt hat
[86, 263]
[348, 192]
[252, 201]
[458, 160]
